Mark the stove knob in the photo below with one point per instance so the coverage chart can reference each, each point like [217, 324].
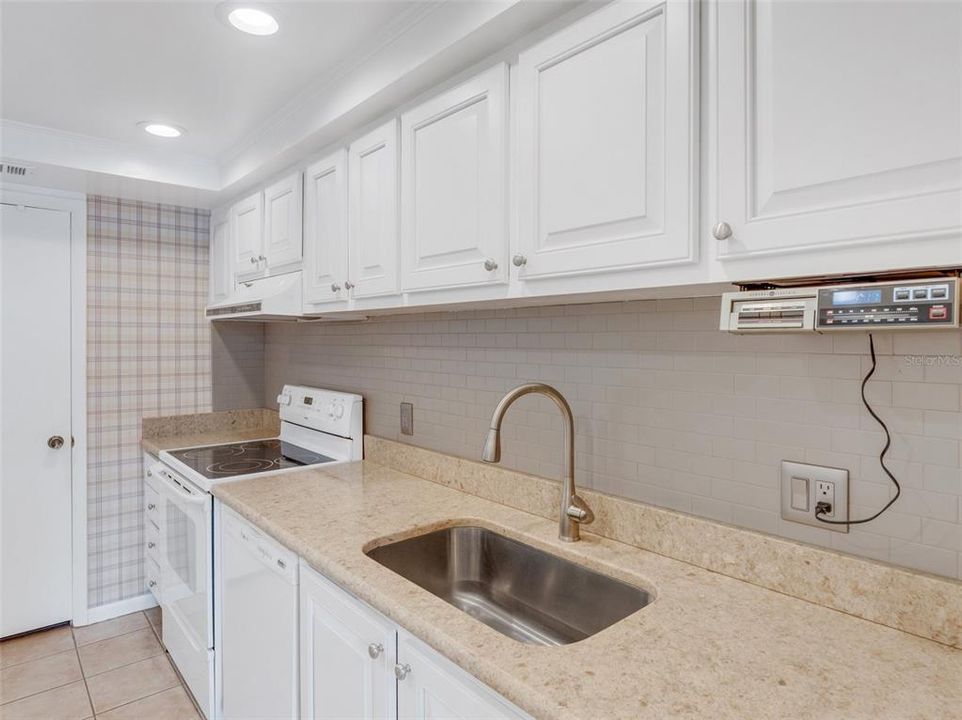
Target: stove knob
[338, 411]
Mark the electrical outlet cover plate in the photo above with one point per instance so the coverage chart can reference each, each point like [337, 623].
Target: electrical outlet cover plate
[814, 474]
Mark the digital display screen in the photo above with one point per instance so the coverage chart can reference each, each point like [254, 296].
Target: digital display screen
[308, 400]
[856, 297]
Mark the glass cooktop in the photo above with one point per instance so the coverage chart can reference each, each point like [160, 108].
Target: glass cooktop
[246, 458]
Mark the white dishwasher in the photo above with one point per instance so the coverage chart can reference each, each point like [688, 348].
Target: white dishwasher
[258, 623]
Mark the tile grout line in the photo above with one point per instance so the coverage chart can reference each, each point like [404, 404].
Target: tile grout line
[83, 675]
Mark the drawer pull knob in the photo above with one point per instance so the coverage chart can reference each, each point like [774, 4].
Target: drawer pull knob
[402, 671]
[375, 650]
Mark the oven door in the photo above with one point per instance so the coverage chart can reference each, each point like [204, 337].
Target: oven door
[187, 601]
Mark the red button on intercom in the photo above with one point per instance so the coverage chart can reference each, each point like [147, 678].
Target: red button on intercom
[938, 312]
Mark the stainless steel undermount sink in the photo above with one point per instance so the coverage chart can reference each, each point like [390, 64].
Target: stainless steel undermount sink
[520, 591]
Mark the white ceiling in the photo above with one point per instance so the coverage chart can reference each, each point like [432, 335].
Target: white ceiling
[77, 77]
[98, 68]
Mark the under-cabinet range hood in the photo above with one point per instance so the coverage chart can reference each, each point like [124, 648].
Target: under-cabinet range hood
[270, 298]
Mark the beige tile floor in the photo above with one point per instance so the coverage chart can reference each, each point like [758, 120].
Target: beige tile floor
[114, 670]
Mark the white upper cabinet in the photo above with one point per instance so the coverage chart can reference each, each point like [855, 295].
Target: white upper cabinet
[373, 202]
[607, 148]
[347, 654]
[325, 230]
[220, 281]
[454, 186]
[246, 232]
[283, 223]
[835, 126]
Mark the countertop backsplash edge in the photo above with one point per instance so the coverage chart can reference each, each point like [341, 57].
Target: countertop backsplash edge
[914, 602]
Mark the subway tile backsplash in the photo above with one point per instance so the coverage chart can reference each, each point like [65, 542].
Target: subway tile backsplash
[668, 410]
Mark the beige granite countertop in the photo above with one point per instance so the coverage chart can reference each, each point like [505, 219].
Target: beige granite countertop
[709, 646]
[225, 426]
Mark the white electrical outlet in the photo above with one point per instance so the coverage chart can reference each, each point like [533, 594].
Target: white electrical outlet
[804, 486]
[825, 493]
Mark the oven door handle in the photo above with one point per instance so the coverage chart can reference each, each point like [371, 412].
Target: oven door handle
[171, 482]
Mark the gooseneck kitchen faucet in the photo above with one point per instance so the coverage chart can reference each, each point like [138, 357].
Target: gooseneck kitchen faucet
[574, 510]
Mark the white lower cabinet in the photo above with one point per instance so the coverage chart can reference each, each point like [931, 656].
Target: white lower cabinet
[355, 663]
[434, 688]
[347, 654]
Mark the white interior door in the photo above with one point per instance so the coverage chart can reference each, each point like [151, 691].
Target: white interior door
[325, 230]
[454, 186]
[373, 201]
[35, 475]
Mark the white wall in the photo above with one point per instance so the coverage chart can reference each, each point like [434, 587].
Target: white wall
[668, 409]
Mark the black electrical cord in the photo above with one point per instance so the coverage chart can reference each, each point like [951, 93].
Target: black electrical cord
[881, 457]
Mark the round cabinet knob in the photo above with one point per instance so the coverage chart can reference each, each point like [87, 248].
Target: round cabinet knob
[151, 506]
[335, 287]
[348, 285]
[261, 258]
[152, 583]
[519, 260]
[253, 260]
[490, 265]
[375, 650]
[151, 545]
[402, 671]
[722, 231]
[150, 473]
[54, 442]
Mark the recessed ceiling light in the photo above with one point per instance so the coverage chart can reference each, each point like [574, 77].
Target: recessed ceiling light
[162, 129]
[253, 21]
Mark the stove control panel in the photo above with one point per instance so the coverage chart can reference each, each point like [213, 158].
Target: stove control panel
[918, 304]
[328, 411]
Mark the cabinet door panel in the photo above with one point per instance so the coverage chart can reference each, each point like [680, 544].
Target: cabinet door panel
[325, 225]
[453, 186]
[246, 229]
[833, 126]
[220, 270]
[436, 689]
[607, 144]
[373, 212]
[283, 222]
[339, 678]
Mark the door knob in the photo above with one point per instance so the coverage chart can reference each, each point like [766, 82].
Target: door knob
[519, 260]
[375, 650]
[55, 442]
[348, 285]
[335, 287]
[722, 231]
[402, 671]
[490, 265]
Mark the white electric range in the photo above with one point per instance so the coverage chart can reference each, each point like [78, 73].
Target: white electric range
[318, 427]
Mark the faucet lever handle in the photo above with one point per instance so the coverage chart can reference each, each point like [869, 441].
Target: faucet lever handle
[579, 511]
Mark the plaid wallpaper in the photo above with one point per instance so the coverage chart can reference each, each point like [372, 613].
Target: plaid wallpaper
[148, 354]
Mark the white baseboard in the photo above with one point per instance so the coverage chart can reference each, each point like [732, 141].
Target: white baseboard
[121, 607]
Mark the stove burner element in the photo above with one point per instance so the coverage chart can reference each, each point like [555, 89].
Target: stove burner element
[241, 466]
[247, 458]
[217, 452]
